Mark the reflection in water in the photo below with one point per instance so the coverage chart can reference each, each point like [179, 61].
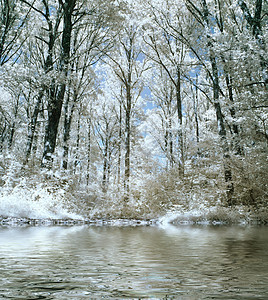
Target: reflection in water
[128, 262]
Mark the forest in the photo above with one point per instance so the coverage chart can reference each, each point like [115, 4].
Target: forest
[132, 109]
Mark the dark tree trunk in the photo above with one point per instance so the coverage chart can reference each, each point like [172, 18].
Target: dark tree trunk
[196, 115]
[54, 113]
[255, 24]
[237, 146]
[48, 66]
[179, 110]
[222, 130]
[56, 95]
[170, 137]
[127, 120]
[217, 106]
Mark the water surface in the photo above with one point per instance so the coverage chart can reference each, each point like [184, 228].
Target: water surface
[84, 262]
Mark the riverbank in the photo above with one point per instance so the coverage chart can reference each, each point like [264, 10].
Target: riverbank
[213, 216]
[44, 206]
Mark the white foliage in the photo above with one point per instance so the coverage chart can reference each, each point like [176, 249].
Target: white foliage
[36, 203]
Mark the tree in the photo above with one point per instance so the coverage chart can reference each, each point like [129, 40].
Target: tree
[163, 118]
[13, 34]
[255, 23]
[13, 19]
[203, 16]
[106, 129]
[57, 90]
[128, 65]
[164, 47]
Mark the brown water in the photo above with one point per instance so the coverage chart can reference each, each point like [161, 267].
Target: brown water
[134, 262]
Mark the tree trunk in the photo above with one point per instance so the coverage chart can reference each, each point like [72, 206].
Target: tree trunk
[48, 66]
[3, 134]
[221, 129]
[66, 130]
[195, 98]
[77, 161]
[13, 126]
[54, 113]
[88, 149]
[127, 128]
[127, 145]
[105, 160]
[32, 127]
[179, 110]
[217, 106]
[170, 139]
[56, 95]
[254, 23]
[119, 147]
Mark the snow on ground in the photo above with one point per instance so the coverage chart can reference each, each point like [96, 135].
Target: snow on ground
[181, 217]
[36, 203]
[43, 204]
[214, 215]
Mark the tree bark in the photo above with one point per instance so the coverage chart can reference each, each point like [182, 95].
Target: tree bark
[48, 66]
[217, 106]
[127, 140]
[13, 125]
[66, 130]
[77, 161]
[119, 146]
[56, 95]
[195, 104]
[179, 110]
[105, 160]
[32, 127]
[88, 148]
[255, 24]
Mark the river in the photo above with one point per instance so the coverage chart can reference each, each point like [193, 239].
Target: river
[109, 262]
